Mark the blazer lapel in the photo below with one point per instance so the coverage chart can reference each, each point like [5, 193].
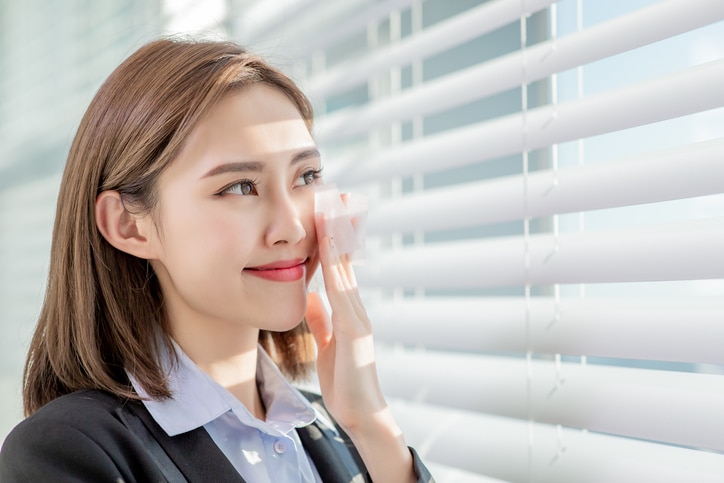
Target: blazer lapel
[331, 450]
[334, 462]
[195, 456]
[194, 453]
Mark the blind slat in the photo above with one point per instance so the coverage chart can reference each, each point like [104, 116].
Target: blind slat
[689, 171]
[686, 330]
[613, 400]
[447, 34]
[260, 20]
[689, 91]
[500, 448]
[554, 56]
[350, 23]
[689, 250]
[446, 473]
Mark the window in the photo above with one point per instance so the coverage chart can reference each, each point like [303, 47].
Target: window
[544, 264]
[544, 270]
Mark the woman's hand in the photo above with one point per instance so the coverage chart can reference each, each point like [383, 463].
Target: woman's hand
[345, 359]
[346, 367]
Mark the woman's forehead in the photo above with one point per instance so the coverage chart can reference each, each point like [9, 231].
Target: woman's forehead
[255, 125]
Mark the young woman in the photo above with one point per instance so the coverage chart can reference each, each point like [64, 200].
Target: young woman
[184, 242]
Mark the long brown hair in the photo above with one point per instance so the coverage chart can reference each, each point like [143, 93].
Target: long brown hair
[103, 307]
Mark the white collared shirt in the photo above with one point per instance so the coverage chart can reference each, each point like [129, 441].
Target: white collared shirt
[261, 451]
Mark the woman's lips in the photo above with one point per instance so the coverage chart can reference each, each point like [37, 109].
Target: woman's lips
[281, 271]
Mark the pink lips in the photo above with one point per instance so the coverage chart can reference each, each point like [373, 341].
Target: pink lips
[281, 271]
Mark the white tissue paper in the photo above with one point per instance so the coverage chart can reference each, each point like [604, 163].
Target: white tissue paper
[345, 220]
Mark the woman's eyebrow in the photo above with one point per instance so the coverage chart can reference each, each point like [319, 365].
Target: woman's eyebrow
[240, 166]
[305, 154]
[256, 166]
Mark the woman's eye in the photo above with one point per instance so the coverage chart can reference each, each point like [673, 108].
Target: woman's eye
[244, 188]
[309, 177]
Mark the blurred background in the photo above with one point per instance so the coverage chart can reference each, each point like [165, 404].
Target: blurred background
[545, 252]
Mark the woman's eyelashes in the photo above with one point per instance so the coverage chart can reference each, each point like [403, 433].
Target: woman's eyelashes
[309, 177]
[244, 187]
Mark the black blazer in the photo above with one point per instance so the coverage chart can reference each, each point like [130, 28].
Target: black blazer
[95, 436]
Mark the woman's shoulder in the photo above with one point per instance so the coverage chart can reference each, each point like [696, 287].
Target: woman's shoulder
[81, 433]
[82, 410]
[81, 413]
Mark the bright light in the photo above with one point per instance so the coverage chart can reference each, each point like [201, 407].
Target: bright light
[195, 15]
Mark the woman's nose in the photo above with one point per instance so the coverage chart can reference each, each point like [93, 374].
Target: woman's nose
[285, 221]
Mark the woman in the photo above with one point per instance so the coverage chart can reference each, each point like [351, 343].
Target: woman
[184, 242]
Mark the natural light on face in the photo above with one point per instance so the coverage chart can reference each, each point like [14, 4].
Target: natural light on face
[240, 199]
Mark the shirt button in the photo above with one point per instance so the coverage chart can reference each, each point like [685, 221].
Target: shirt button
[279, 446]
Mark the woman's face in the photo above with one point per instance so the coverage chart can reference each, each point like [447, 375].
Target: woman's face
[236, 240]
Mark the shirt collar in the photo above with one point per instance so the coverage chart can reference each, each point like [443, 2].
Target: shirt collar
[197, 399]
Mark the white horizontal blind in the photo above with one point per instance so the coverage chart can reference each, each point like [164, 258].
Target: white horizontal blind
[546, 234]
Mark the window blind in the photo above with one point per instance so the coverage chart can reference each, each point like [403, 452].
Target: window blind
[544, 256]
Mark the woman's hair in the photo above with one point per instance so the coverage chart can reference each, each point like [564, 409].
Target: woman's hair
[103, 307]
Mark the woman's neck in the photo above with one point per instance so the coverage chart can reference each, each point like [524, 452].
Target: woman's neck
[230, 359]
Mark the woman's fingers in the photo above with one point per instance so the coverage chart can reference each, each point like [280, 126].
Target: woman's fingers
[329, 257]
[348, 313]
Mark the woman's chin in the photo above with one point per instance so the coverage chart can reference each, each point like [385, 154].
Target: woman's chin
[284, 324]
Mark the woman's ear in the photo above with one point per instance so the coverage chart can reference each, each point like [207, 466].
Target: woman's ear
[124, 230]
